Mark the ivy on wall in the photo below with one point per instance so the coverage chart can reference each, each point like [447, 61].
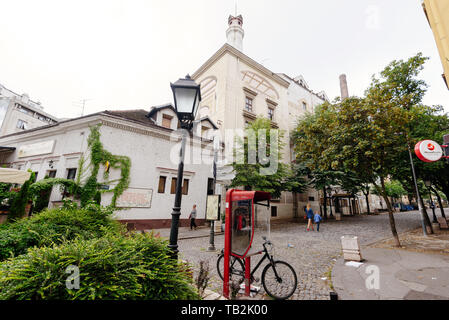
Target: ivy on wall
[100, 156]
[90, 190]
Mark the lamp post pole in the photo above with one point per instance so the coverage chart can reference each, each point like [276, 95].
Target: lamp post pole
[173, 245]
[212, 223]
[418, 197]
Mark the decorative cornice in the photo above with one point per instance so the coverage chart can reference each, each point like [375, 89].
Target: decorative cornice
[250, 115]
[226, 48]
[271, 102]
[249, 91]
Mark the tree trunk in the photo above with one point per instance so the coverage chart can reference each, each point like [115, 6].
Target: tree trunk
[325, 203]
[440, 203]
[390, 212]
[426, 216]
[367, 202]
[295, 205]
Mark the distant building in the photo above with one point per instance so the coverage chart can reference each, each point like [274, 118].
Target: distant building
[19, 113]
[437, 13]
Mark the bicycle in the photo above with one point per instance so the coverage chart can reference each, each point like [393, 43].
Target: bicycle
[278, 277]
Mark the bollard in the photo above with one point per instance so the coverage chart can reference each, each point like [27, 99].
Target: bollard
[333, 295]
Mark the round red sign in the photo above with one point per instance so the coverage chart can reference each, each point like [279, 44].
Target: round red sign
[428, 151]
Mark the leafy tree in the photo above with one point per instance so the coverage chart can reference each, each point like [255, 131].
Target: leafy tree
[365, 134]
[262, 168]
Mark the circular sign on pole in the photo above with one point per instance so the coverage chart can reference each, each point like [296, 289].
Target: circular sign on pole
[428, 151]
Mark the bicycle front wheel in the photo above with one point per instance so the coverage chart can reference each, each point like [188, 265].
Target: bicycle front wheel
[236, 268]
[279, 280]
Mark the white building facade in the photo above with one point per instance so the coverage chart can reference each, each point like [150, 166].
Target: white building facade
[56, 150]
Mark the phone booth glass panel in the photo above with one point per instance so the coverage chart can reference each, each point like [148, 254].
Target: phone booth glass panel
[241, 226]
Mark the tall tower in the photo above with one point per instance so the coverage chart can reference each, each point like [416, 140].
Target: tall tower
[235, 32]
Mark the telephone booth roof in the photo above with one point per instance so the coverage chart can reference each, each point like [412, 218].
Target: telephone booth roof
[255, 195]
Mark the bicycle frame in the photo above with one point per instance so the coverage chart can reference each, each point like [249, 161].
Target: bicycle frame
[265, 256]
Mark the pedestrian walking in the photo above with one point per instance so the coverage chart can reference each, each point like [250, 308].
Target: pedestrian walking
[317, 219]
[309, 215]
[192, 218]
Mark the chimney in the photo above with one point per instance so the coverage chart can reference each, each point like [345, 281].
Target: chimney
[343, 87]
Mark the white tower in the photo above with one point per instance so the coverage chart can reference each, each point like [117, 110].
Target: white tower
[235, 32]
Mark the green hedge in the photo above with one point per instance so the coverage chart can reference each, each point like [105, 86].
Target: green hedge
[54, 226]
[113, 267]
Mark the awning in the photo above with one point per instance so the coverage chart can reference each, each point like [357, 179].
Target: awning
[6, 149]
[14, 176]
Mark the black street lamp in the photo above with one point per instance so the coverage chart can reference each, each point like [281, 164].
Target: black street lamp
[428, 184]
[187, 96]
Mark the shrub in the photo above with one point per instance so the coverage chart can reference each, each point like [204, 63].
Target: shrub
[112, 267]
[53, 226]
[19, 202]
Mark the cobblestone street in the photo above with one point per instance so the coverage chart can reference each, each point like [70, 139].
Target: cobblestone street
[312, 254]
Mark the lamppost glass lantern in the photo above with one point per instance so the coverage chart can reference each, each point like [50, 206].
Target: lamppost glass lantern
[187, 97]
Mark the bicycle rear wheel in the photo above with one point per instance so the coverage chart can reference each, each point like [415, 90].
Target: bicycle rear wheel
[279, 280]
[236, 268]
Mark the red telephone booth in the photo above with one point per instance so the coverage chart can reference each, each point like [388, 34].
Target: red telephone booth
[243, 224]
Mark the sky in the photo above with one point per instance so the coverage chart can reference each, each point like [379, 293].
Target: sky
[123, 54]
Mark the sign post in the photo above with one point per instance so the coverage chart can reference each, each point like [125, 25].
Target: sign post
[212, 214]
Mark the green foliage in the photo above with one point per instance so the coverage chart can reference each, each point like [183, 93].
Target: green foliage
[55, 226]
[100, 156]
[19, 202]
[5, 194]
[112, 267]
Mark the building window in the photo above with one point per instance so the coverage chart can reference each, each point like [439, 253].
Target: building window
[311, 198]
[71, 173]
[304, 106]
[274, 211]
[161, 187]
[204, 130]
[51, 173]
[248, 104]
[173, 185]
[166, 121]
[185, 187]
[210, 186]
[270, 113]
[21, 124]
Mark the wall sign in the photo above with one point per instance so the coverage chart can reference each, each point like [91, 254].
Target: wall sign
[35, 149]
[213, 207]
[135, 198]
[428, 151]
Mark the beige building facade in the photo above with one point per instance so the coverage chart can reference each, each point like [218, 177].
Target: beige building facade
[236, 89]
